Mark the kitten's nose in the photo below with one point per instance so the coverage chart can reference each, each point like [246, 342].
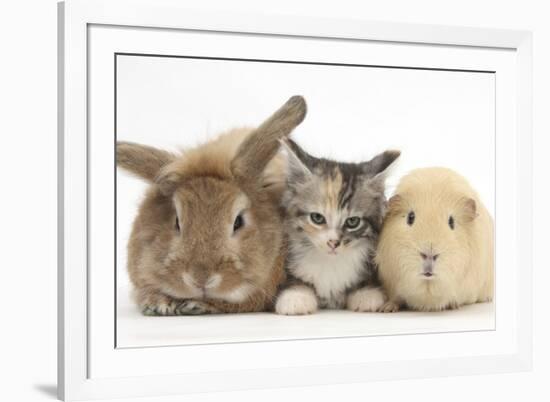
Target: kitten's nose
[333, 244]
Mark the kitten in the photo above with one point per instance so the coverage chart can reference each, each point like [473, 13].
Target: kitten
[334, 214]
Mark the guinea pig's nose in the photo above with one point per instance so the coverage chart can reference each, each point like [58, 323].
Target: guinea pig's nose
[429, 256]
[333, 244]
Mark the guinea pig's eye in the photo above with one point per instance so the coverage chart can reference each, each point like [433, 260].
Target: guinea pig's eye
[353, 222]
[410, 218]
[451, 222]
[317, 218]
[239, 222]
[177, 225]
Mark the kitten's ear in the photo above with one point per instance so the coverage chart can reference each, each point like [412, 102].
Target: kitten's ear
[262, 144]
[376, 169]
[142, 160]
[379, 163]
[297, 160]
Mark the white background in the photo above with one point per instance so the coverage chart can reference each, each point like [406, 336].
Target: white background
[28, 213]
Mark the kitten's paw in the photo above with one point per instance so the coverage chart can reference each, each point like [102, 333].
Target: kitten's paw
[366, 300]
[297, 300]
[194, 307]
[389, 307]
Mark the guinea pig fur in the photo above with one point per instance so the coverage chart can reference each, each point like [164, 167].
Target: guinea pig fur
[436, 245]
[208, 236]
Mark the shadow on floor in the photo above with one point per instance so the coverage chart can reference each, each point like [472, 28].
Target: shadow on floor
[47, 389]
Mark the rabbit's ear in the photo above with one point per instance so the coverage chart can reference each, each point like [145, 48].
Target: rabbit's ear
[142, 160]
[262, 144]
[379, 163]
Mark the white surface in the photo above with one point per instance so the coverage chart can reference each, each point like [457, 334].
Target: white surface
[31, 119]
[136, 330]
[189, 369]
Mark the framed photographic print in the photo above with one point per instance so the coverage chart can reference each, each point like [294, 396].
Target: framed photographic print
[242, 197]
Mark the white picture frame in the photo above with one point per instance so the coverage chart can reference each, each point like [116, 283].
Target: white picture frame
[90, 366]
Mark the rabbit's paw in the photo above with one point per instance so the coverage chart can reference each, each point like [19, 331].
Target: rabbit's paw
[298, 300]
[161, 308]
[366, 300]
[195, 307]
[389, 307]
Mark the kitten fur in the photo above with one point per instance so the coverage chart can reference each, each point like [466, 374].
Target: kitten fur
[330, 265]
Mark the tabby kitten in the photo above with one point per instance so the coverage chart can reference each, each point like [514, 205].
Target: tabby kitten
[334, 214]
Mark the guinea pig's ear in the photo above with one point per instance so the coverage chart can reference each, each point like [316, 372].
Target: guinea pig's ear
[469, 209]
[262, 144]
[395, 205]
[142, 160]
[297, 162]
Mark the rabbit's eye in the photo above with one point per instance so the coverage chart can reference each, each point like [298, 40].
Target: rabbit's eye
[177, 225]
[353, 222]
[451, 222]
[410, 218]
[239, 222]
[317, 218]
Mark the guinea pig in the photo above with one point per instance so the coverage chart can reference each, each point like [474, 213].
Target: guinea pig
[436, 245]
[208, 237]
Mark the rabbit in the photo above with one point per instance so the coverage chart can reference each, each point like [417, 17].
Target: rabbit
[208, 237]
[436, 245]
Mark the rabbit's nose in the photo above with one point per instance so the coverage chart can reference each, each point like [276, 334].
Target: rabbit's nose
[212, 281]
[197, 277]
[189, 280]
[333, 244]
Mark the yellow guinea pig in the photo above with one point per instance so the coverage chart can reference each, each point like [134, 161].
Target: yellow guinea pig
[436, 246]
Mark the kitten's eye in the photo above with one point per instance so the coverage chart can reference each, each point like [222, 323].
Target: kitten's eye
[317, 218]
[239, 222]
[410, 218]
[353, 222]
[451, 222]
[177, 225]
